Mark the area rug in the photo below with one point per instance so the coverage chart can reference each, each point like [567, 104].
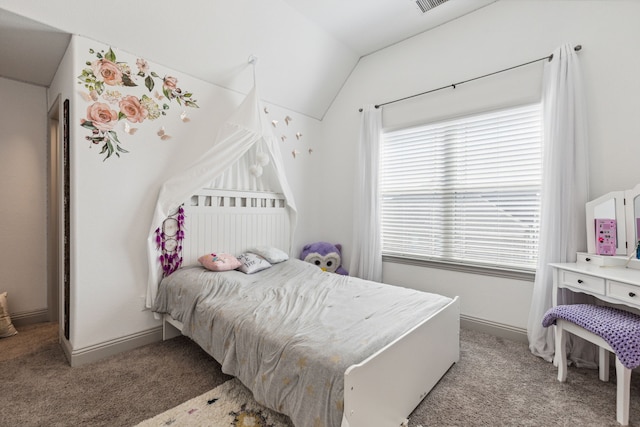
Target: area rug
[228, 405]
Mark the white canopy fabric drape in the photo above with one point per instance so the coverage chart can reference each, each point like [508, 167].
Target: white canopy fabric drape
[243, 135]
[366, 260]
[565, 188]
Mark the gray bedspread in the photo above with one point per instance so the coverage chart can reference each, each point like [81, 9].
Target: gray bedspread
[289, 332]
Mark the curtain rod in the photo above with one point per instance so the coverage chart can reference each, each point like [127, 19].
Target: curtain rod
[453, 85]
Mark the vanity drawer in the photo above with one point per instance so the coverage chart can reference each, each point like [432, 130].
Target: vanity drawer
[601, 260]
[623, 292]
[582, 281]
[590, 258]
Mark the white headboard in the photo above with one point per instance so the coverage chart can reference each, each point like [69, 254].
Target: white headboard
[232, 222]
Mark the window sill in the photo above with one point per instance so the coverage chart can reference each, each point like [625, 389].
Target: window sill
[525, 275]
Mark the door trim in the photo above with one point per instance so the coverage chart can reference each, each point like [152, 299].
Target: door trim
[54, 184]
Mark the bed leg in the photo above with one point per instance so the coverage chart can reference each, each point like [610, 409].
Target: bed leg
[168, 330]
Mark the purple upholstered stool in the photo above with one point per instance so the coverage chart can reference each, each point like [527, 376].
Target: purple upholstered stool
[612, 330]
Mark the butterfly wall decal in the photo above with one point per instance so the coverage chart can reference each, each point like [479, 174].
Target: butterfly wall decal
[128, 129]
[163, 135]
[88, 96]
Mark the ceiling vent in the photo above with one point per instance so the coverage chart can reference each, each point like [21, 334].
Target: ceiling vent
[427, 5]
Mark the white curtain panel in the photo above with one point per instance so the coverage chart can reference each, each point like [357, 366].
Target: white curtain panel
[565, 188]
[366, 260]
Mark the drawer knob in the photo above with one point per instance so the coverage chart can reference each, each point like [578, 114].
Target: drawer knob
[587, 259]
[579, 280]
[632, 294]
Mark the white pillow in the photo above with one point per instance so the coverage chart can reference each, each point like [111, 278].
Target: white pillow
[252, 263]
[271, 254]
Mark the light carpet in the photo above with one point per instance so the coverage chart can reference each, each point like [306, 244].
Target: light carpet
[229, 404]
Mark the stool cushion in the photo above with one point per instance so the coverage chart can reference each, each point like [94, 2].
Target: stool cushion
[619, 328]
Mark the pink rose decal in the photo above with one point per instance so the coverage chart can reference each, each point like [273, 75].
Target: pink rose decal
[102, 116]
[109, 71]
[170, 83]
[130, 106]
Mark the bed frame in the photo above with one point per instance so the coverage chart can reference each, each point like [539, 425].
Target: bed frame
[381, 390]
[232, 222]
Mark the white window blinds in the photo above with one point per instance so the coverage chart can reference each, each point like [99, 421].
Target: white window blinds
[464, 190]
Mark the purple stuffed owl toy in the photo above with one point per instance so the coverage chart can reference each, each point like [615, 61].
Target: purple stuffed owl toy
[324, 255]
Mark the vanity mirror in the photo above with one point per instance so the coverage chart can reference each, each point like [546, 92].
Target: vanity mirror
[607, 207]
[623, 207]
[633, 218]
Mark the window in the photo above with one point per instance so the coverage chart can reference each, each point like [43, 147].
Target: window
[464, 191]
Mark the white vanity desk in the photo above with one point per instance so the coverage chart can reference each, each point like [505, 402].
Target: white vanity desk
[612, 279]
[615, 284]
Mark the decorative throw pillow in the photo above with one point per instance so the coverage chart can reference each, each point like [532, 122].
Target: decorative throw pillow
[271, 254]
[219, 262]
[252, 263]
[6, 327]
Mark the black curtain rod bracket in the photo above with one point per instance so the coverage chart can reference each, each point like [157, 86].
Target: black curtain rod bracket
[453, 85]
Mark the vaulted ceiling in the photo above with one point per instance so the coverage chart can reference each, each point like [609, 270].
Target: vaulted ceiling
[306, 49]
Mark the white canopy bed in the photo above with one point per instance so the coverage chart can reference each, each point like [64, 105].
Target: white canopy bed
[387, 359]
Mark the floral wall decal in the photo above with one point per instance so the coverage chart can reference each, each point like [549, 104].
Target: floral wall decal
[106, 78]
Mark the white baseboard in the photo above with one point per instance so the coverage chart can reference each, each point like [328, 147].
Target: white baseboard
[30, 317]
[83, 356]
[105, 349]
[494, 328]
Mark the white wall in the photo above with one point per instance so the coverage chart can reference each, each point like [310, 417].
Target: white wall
[23, 192]
[498, 36]
[302, 66]
[112, 200]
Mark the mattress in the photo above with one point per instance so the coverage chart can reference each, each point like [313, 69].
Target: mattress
[290, 332]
